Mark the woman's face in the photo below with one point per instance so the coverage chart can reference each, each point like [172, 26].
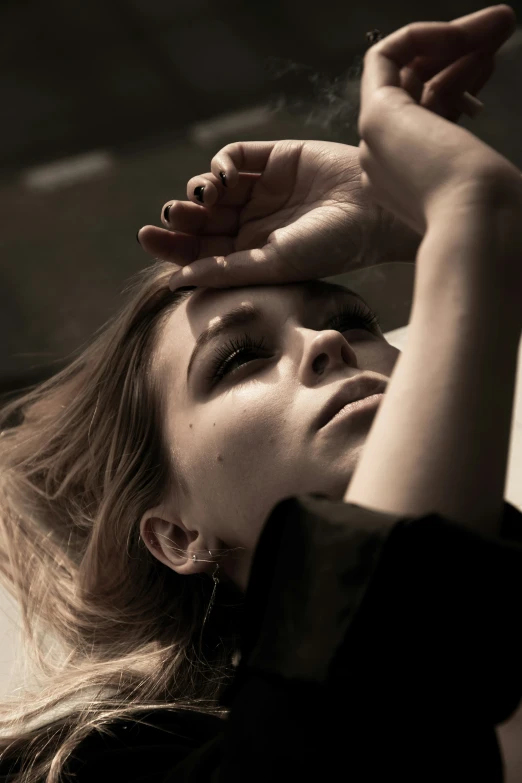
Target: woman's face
[247, 438]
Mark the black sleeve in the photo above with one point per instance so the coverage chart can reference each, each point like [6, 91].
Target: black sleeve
[374, 647]
[381, 646]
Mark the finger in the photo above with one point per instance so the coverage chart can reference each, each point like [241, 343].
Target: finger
[191, 218]
[469, 73]
[214, 191]
[205, 189]
[451, 92]
[384, 61]
[483, 75]
[452, 108]
[239, 156]
[410, 82]
[182, 248]
[488, 32]
[244, 268]
[467, 103]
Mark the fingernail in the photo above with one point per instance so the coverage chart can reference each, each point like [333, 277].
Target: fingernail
[223, 178]
[166, 213]
[138, 237]
[198, 192]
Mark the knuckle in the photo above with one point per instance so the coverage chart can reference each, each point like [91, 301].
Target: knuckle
[411, 30]
[230, 150]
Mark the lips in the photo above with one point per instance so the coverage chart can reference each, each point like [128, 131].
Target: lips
[356, 389]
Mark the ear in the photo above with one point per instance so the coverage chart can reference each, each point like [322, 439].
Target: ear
[173, 543]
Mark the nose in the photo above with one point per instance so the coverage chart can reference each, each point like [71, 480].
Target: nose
[330, 349]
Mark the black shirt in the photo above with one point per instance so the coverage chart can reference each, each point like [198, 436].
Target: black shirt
[373, 647]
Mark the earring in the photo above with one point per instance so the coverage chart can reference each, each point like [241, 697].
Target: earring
[216, 582]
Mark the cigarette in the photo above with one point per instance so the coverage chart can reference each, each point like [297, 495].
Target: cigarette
[469, 105]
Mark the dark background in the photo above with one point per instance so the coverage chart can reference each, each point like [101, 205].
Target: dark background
[110, 106]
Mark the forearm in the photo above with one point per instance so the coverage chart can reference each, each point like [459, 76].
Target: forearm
[440, 439]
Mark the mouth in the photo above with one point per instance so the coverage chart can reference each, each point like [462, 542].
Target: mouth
[356, 408]
[355, 391]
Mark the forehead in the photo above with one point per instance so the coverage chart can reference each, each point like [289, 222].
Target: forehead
[207, 300]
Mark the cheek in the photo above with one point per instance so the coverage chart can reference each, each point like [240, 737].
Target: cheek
[244, 431]
[232, 456]
[245, 424]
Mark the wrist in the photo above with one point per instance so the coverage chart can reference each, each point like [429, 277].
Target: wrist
[475, 257]
[477, 242]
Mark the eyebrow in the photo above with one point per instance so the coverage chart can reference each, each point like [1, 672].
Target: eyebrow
[248, 313]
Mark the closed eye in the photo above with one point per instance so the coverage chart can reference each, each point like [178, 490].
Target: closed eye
[349, 317]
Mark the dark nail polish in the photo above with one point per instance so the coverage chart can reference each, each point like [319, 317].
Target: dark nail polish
[198, 192]
[137, 238]
[223, 178]
[166, 213]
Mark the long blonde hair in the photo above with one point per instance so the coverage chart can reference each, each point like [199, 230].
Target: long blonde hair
[81, 459]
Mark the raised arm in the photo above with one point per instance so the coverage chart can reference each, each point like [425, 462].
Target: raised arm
[439, 442]
[440, 439]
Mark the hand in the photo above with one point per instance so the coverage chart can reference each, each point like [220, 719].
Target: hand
[417, 164]
[302, 215]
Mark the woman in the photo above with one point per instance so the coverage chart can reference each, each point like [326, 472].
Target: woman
[360, 619]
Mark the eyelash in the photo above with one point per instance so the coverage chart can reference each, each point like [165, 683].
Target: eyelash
[227, 354]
